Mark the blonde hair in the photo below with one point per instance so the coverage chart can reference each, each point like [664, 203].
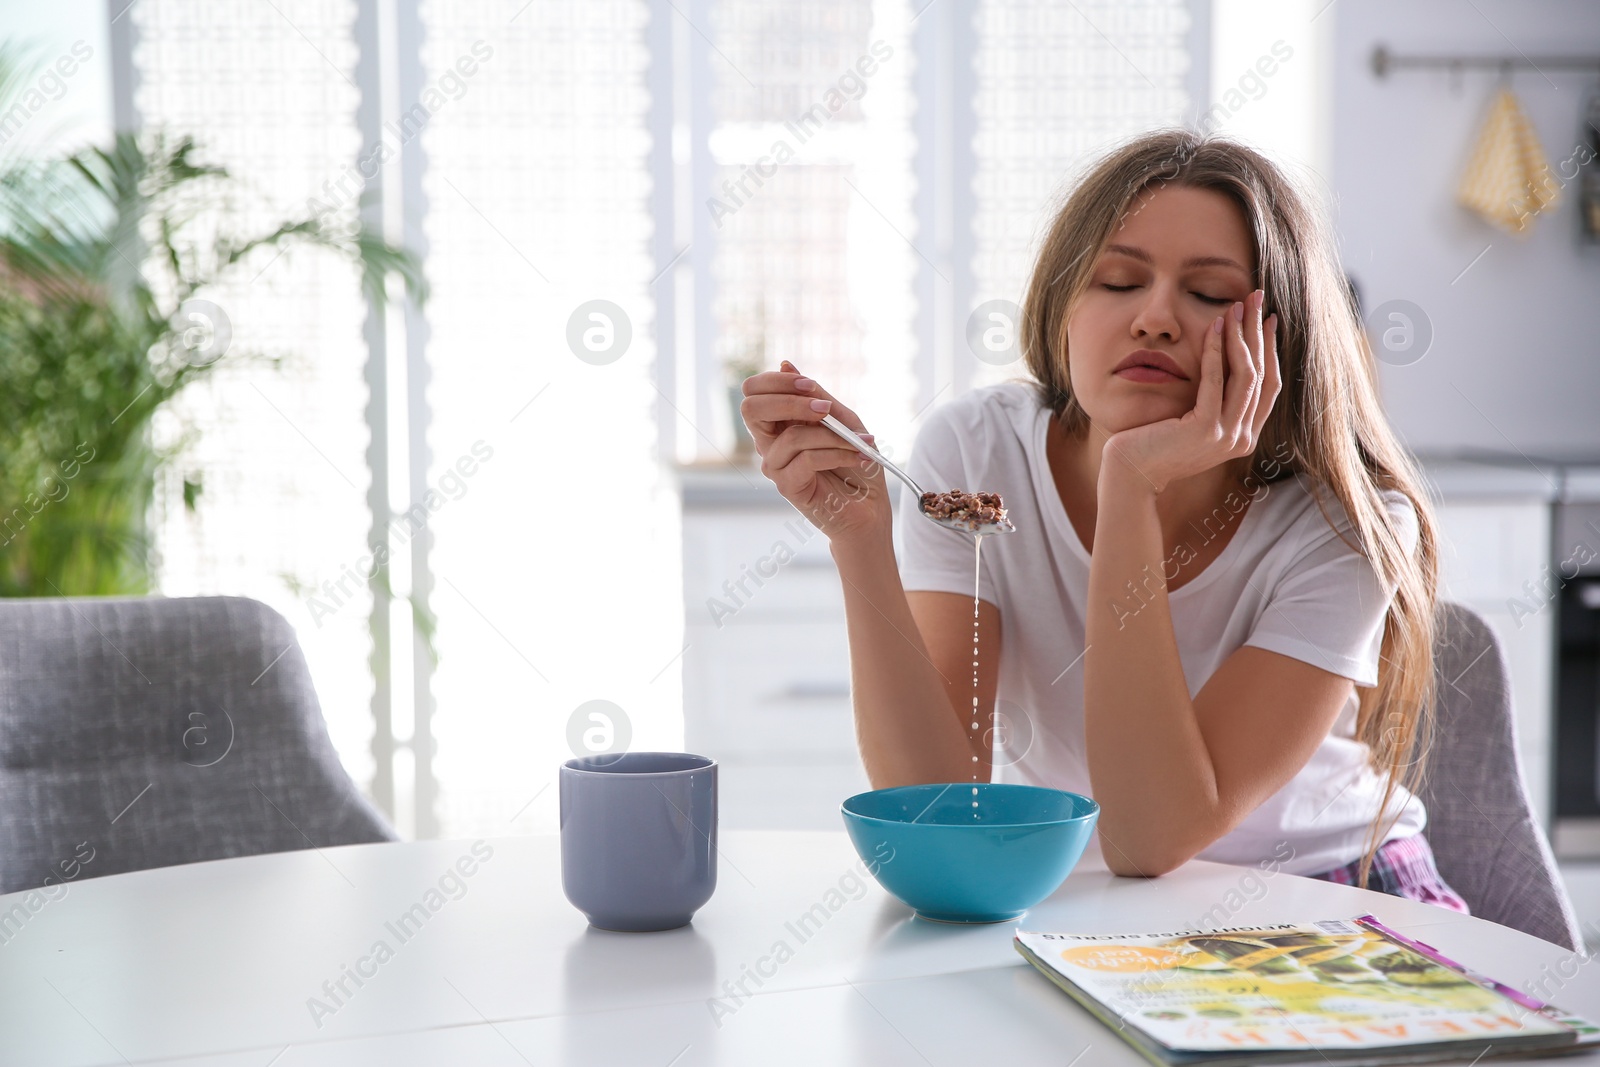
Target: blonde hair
[1327, 418]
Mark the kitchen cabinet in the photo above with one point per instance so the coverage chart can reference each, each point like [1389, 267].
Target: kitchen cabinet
[766, 671]
[1490, 547]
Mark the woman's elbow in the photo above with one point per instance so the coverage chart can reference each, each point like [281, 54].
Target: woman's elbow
[1144, 859]
[1128, 868]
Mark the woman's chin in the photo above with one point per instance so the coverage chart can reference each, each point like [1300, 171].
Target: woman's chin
[1128, 416]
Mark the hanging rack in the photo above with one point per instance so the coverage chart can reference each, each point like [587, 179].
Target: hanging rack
[1384, 61]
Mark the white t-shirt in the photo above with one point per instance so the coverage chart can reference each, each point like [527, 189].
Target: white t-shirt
[1285, 582]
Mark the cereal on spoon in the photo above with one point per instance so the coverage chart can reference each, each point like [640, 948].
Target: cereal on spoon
[974, 511]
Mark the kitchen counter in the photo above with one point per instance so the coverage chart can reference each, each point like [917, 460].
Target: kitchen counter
[1511, 474]
[1450, 476]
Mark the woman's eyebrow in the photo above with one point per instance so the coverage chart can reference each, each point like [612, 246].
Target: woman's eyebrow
[1194, 261]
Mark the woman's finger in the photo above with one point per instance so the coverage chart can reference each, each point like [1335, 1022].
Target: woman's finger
[796, 476]
[1272, 383]
[1255, 350]
[1208, 400]
[1258, 332]
[1242, 381]
[771, 405]
[769, 413]
[814, 389]
[800, 438]
[767, 385]
[816, 460]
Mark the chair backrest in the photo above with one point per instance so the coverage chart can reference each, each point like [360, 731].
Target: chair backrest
[1488, 845]
[147, 732]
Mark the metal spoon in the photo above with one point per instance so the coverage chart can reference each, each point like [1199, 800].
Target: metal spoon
[1003, 526]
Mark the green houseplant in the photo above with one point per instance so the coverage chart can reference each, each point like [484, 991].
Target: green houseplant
[106, 257]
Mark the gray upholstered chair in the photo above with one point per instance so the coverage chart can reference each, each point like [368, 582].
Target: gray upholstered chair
[147, 732]
[1485, 838]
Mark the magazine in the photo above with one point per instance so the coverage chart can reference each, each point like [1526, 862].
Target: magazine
[1343, 991]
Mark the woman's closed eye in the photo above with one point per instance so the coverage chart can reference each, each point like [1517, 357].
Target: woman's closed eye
[1202, 296]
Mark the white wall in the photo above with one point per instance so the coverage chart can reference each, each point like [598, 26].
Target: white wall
[1515, 360]
[1278, 105]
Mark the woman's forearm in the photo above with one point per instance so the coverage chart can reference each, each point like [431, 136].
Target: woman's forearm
[1148, 761]
[908, 730]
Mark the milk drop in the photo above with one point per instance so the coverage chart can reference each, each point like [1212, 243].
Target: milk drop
[977, 557]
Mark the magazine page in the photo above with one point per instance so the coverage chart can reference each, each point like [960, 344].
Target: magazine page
[1587, 1031]
[1333, 985]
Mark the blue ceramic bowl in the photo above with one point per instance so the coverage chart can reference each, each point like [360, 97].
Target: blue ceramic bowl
[953, 862]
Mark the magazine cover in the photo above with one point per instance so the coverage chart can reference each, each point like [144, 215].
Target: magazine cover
[1328, 986]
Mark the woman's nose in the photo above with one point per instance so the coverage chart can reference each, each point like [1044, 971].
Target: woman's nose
[1157, 313]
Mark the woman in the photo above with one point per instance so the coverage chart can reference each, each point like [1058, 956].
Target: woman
[1216, 614]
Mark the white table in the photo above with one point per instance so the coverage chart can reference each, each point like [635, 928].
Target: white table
[215, 963]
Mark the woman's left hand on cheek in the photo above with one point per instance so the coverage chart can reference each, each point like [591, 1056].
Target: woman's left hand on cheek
[1229, 411]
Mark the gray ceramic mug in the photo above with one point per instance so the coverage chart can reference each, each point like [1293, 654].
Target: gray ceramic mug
[639, 837]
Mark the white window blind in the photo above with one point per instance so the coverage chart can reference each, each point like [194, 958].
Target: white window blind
[810, 194]
[556, 567]
[280, 450]
[1056, 85]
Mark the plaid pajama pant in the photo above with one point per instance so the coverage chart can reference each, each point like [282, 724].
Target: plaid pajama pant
[1403, 867]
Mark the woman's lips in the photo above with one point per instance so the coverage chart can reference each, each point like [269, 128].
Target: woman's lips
[1152, 375]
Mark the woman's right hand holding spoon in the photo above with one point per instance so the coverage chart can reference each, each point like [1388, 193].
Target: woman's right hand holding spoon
[841, 491]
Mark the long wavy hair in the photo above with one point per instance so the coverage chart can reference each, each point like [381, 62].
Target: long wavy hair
[1327, 419]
